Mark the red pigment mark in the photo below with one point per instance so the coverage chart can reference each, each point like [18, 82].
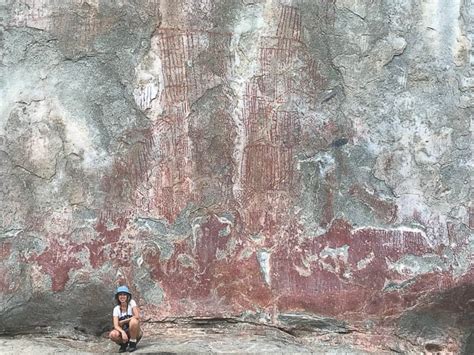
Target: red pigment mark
[173, 184]
[122, 192]
[289, 25]
[309, 281]
[257, 111]
[77, 33]
[268, 168]
[120, 252]
[173, 47]
[383, 209]
[5, 250]
[316, 81]
[418, 217]
[268, 162]
[57, 260]
[129, 171]
[193, 61]
[277, 54]
[215, 283]
[213, 158]
[187, 74]
[388, 163]
[274, 135]
[110, 227]
[265, 212]
[321, 136]
[4, 281]
[328, 131]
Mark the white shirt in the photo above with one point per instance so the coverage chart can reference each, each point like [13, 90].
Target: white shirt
[118, 312]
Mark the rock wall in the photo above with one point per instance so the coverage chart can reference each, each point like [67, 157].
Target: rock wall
[295, 163]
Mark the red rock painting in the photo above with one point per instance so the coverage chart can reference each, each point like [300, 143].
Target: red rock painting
[260, 162]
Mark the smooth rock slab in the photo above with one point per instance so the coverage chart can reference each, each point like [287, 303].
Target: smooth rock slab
[207, 344]
[232, 339]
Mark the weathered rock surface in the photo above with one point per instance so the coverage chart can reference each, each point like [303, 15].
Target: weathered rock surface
[214, 338]
[301, 164]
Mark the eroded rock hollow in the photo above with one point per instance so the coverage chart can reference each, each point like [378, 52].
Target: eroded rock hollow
[297, 163]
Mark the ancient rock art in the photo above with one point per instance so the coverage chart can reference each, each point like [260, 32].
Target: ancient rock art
[295, 164]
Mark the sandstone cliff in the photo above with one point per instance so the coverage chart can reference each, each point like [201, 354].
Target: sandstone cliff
[303, 164]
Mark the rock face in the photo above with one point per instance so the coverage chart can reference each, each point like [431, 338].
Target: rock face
[293, 163]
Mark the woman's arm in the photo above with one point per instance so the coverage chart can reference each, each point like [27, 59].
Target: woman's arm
[124, 321]
[118, 327]
[136, 312]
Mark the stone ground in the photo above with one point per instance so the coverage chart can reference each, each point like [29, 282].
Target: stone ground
[178, 340]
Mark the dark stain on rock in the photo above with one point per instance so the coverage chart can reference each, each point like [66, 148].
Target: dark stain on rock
[339, 142]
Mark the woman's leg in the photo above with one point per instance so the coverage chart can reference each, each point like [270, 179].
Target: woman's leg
[115, 336]
[134, 327]
[135, 331]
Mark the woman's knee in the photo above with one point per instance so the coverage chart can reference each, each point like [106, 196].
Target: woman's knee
[134, 322]
[114, 335]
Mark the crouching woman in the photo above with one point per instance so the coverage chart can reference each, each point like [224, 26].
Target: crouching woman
[126, 319]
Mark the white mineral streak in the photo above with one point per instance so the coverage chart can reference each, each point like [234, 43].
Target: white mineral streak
[15, 89]
[400, 232]
[59, 219]
[197, 230]
[244, 45]
[39, 144]
[26, 89]
[402, 229]
[228, 226]
[412, 265]
[149, 82]
[246, 253]
[303, 271]
[396, 168]
[40, 282]
[431, 145]
[224, 220]
[325, 162]
[263, 257]
[80, 138]
[338, 255]
[144, 94]
[362, 264]
[399, 168]
[441, 26]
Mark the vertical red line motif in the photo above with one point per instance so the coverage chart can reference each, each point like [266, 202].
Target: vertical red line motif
[186, 77]
[272, 132]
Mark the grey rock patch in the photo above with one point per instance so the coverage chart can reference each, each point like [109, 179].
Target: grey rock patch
[299, 321]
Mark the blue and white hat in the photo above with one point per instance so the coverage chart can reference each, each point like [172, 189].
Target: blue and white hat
[123, 289]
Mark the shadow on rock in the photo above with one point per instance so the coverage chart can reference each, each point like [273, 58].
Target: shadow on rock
[443, 322]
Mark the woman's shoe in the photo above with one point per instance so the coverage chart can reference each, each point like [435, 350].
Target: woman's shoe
[132, 346]
[123, 347]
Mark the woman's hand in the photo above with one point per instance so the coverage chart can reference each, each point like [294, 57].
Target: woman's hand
[124, 336]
